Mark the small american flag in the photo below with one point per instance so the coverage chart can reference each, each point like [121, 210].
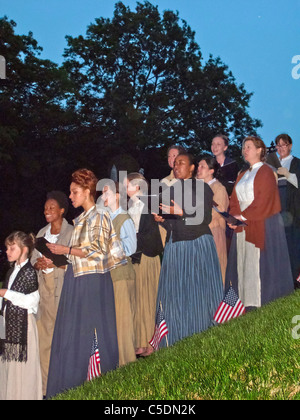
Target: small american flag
[230, 307]
[161, 329]
[94, 369]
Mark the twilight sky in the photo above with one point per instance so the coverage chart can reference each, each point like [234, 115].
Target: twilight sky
[259, 40]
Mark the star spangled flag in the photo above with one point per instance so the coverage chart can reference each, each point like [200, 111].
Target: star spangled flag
[230, 307]
[94, 369]
[161, 329]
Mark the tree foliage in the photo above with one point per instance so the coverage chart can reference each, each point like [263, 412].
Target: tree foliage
[140, 80]
[128, 88]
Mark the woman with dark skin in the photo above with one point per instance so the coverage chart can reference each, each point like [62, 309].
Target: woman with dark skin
[190, 284]
[50, 277]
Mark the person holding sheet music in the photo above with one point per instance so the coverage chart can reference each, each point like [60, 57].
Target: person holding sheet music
[190, 286]
[146, 262]
[208, 170]
[258, 265]
[87, 298]
[50, 277]
[289, 183]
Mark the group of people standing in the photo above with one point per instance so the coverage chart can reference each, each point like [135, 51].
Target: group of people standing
[124, 264]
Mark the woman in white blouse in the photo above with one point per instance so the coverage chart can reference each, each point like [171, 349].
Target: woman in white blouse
[258, 264]
[288, 182]
[20, 372]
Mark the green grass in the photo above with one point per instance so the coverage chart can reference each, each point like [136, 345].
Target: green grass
[253, 357]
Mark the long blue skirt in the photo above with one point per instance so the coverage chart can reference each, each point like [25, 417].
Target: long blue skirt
[86, 304]
[275, 268]
[190, 287]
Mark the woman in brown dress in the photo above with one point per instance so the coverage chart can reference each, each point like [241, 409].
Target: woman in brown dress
[50, 277]
[208, 171]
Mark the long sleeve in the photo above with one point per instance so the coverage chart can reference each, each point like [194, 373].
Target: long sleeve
[220, 198]
[128, 237]
[265, 204]
[266, 197]
[29, 302]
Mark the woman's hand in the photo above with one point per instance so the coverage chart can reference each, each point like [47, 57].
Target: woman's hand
[43, 263]
[238, 217]
[58, 249]
[2, 292]
[283, 172]
[158, 218]
[176, 209]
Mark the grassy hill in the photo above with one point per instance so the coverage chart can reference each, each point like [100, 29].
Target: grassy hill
[253, 357]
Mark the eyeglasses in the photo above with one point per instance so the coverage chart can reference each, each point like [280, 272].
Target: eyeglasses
[281, 146]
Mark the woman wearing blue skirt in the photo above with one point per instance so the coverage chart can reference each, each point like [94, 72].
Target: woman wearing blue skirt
[87, 300]
[190, 286]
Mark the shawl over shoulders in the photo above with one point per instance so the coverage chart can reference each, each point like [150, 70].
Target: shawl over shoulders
[266, 203]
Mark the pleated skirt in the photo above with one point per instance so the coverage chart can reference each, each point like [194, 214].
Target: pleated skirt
[86, 303]
[190, 287]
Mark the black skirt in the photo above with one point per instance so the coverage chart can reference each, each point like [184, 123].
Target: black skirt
[86, 304]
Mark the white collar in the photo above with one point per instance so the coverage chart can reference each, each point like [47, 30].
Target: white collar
[19, 266]
[212, 181]
[287, 159]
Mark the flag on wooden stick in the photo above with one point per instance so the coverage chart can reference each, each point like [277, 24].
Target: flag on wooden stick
[161, 329]
[94, 369]
[230, 307]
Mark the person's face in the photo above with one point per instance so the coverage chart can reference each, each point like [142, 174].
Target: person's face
[52, 211]
[130, 189]
[173, 153]
[109, 198]
[15, 253]
[283, 149]
[204, 172]
[218, 147]
[182, 167]
[78, 195]
[251, 153]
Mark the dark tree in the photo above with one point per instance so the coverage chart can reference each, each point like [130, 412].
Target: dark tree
[141, 84]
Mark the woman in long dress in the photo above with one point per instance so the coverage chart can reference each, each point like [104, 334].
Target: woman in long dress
[258, 265]
[50, 277]
[208, 170]
[289, 190]
[87, 301]
[190, 286]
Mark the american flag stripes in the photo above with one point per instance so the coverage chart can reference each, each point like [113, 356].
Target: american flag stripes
[230, 307]
[94, 369]
[161, 329]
